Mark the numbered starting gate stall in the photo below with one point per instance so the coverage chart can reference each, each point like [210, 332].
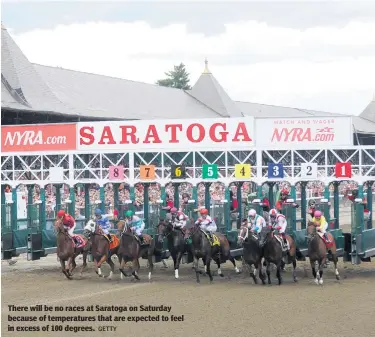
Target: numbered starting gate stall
[181, 151]
[361, 239]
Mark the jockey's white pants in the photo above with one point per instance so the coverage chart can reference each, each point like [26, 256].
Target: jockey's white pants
[105, 230]
[210, 228]
[180, 224]
[139, 230]
[324, 229]
[70, 230]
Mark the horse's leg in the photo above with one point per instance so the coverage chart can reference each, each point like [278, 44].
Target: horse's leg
[122, 266]
[268, 270]
[136, 268]
[253, 274]
[231, 259]
[335, 261]
[208, 264]
[177, 260]
[321, 267]
[315, 274]
[112, 265]
[74, 265]
[150, 264]
[104, 258]
[294, 269]
[196, 262]
[261, 275]
[278, 273]
[63, 270]
[84, 258]
[219, 272]
[69, 265]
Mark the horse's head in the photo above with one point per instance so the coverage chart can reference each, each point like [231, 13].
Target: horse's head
[265, 235]
[163, 229]
[243, 235]
[311, 231]
[123, 227]
[59, 226]
[90, 228]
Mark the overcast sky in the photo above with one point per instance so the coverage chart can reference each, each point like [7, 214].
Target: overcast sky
[312, 55]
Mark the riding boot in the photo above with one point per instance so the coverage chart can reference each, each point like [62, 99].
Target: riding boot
[285, 242]
[140, 237]
[211, 237]
[109, 238]
[326, 237]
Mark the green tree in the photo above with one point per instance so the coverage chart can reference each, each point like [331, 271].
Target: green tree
[176, 78]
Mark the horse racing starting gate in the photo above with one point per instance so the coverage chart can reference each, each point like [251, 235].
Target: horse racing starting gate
[200, 164]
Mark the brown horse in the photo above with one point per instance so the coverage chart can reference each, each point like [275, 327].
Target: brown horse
[317, 252]
[67, 251]
[101, 250]
[131, 249]
[273, 253]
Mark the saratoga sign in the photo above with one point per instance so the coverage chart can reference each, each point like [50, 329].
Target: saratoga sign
[302, 132]
[160, 135]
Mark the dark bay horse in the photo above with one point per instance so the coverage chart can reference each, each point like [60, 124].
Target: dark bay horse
[101, 250]
[202, 249]
[130, 250]
[273, 253]
[317, 252]
[252, 253]
[67, 250]
[176, 242]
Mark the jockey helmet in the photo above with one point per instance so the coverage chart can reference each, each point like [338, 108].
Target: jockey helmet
[98, 211]
[311, 202]
[203, 211]
[174, 210]
[317, 214]
[129, 213]
[284, 191]
[355, 191]
[273, 212]
[252, 213]
[60, 213]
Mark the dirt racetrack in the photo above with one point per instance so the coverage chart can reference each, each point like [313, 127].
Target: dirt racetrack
[231, 306]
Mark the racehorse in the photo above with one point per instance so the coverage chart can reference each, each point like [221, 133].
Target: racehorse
[273, 253]
[101, 250]
[252, 253]
[176, 242]
[317, 252]
[202, 248]
[131, 249]
[67, 250]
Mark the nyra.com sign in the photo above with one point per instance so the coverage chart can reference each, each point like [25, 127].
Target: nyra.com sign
[163, 135]
[316, 132]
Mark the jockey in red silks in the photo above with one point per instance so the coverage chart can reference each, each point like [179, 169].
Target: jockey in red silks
[283, 198]
[68, 222]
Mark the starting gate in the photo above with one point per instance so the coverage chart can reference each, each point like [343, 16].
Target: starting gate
[225, 166]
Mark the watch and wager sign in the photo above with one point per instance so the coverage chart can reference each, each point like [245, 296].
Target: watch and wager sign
[186, 135]
[209, 134]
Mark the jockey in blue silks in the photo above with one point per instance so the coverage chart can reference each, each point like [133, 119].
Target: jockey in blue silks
[103, 222]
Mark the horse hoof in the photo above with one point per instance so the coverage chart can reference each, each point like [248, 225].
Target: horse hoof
[321, 281]
[316, 281]
[338, 277]
[221, 275]
[295, 279]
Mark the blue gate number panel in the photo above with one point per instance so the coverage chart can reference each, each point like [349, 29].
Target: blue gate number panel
[275, 171]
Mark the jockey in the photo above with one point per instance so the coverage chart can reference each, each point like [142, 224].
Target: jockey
[310, 210]
[256, 222]
[68, 222]
[320, 221]
[279, 223]
[136, 223]
[283, 197]
[206, 223]
[103, 222]
[178, 218]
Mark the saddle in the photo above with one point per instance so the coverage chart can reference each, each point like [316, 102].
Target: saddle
[143, 240]
[329, 243]
[214, 241]
[281, 241]
[78, 241]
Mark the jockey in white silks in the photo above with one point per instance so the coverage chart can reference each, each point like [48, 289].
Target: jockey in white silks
[136, 224]
[178, 218]
[278, 222]
[103, 222]
[256, 222]
[206, 223]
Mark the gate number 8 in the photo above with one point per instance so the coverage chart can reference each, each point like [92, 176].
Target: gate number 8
[115, 173]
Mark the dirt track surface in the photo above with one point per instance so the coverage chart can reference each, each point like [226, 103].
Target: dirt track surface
[231, 306]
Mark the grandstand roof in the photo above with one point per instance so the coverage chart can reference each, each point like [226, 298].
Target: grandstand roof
[33, 87]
